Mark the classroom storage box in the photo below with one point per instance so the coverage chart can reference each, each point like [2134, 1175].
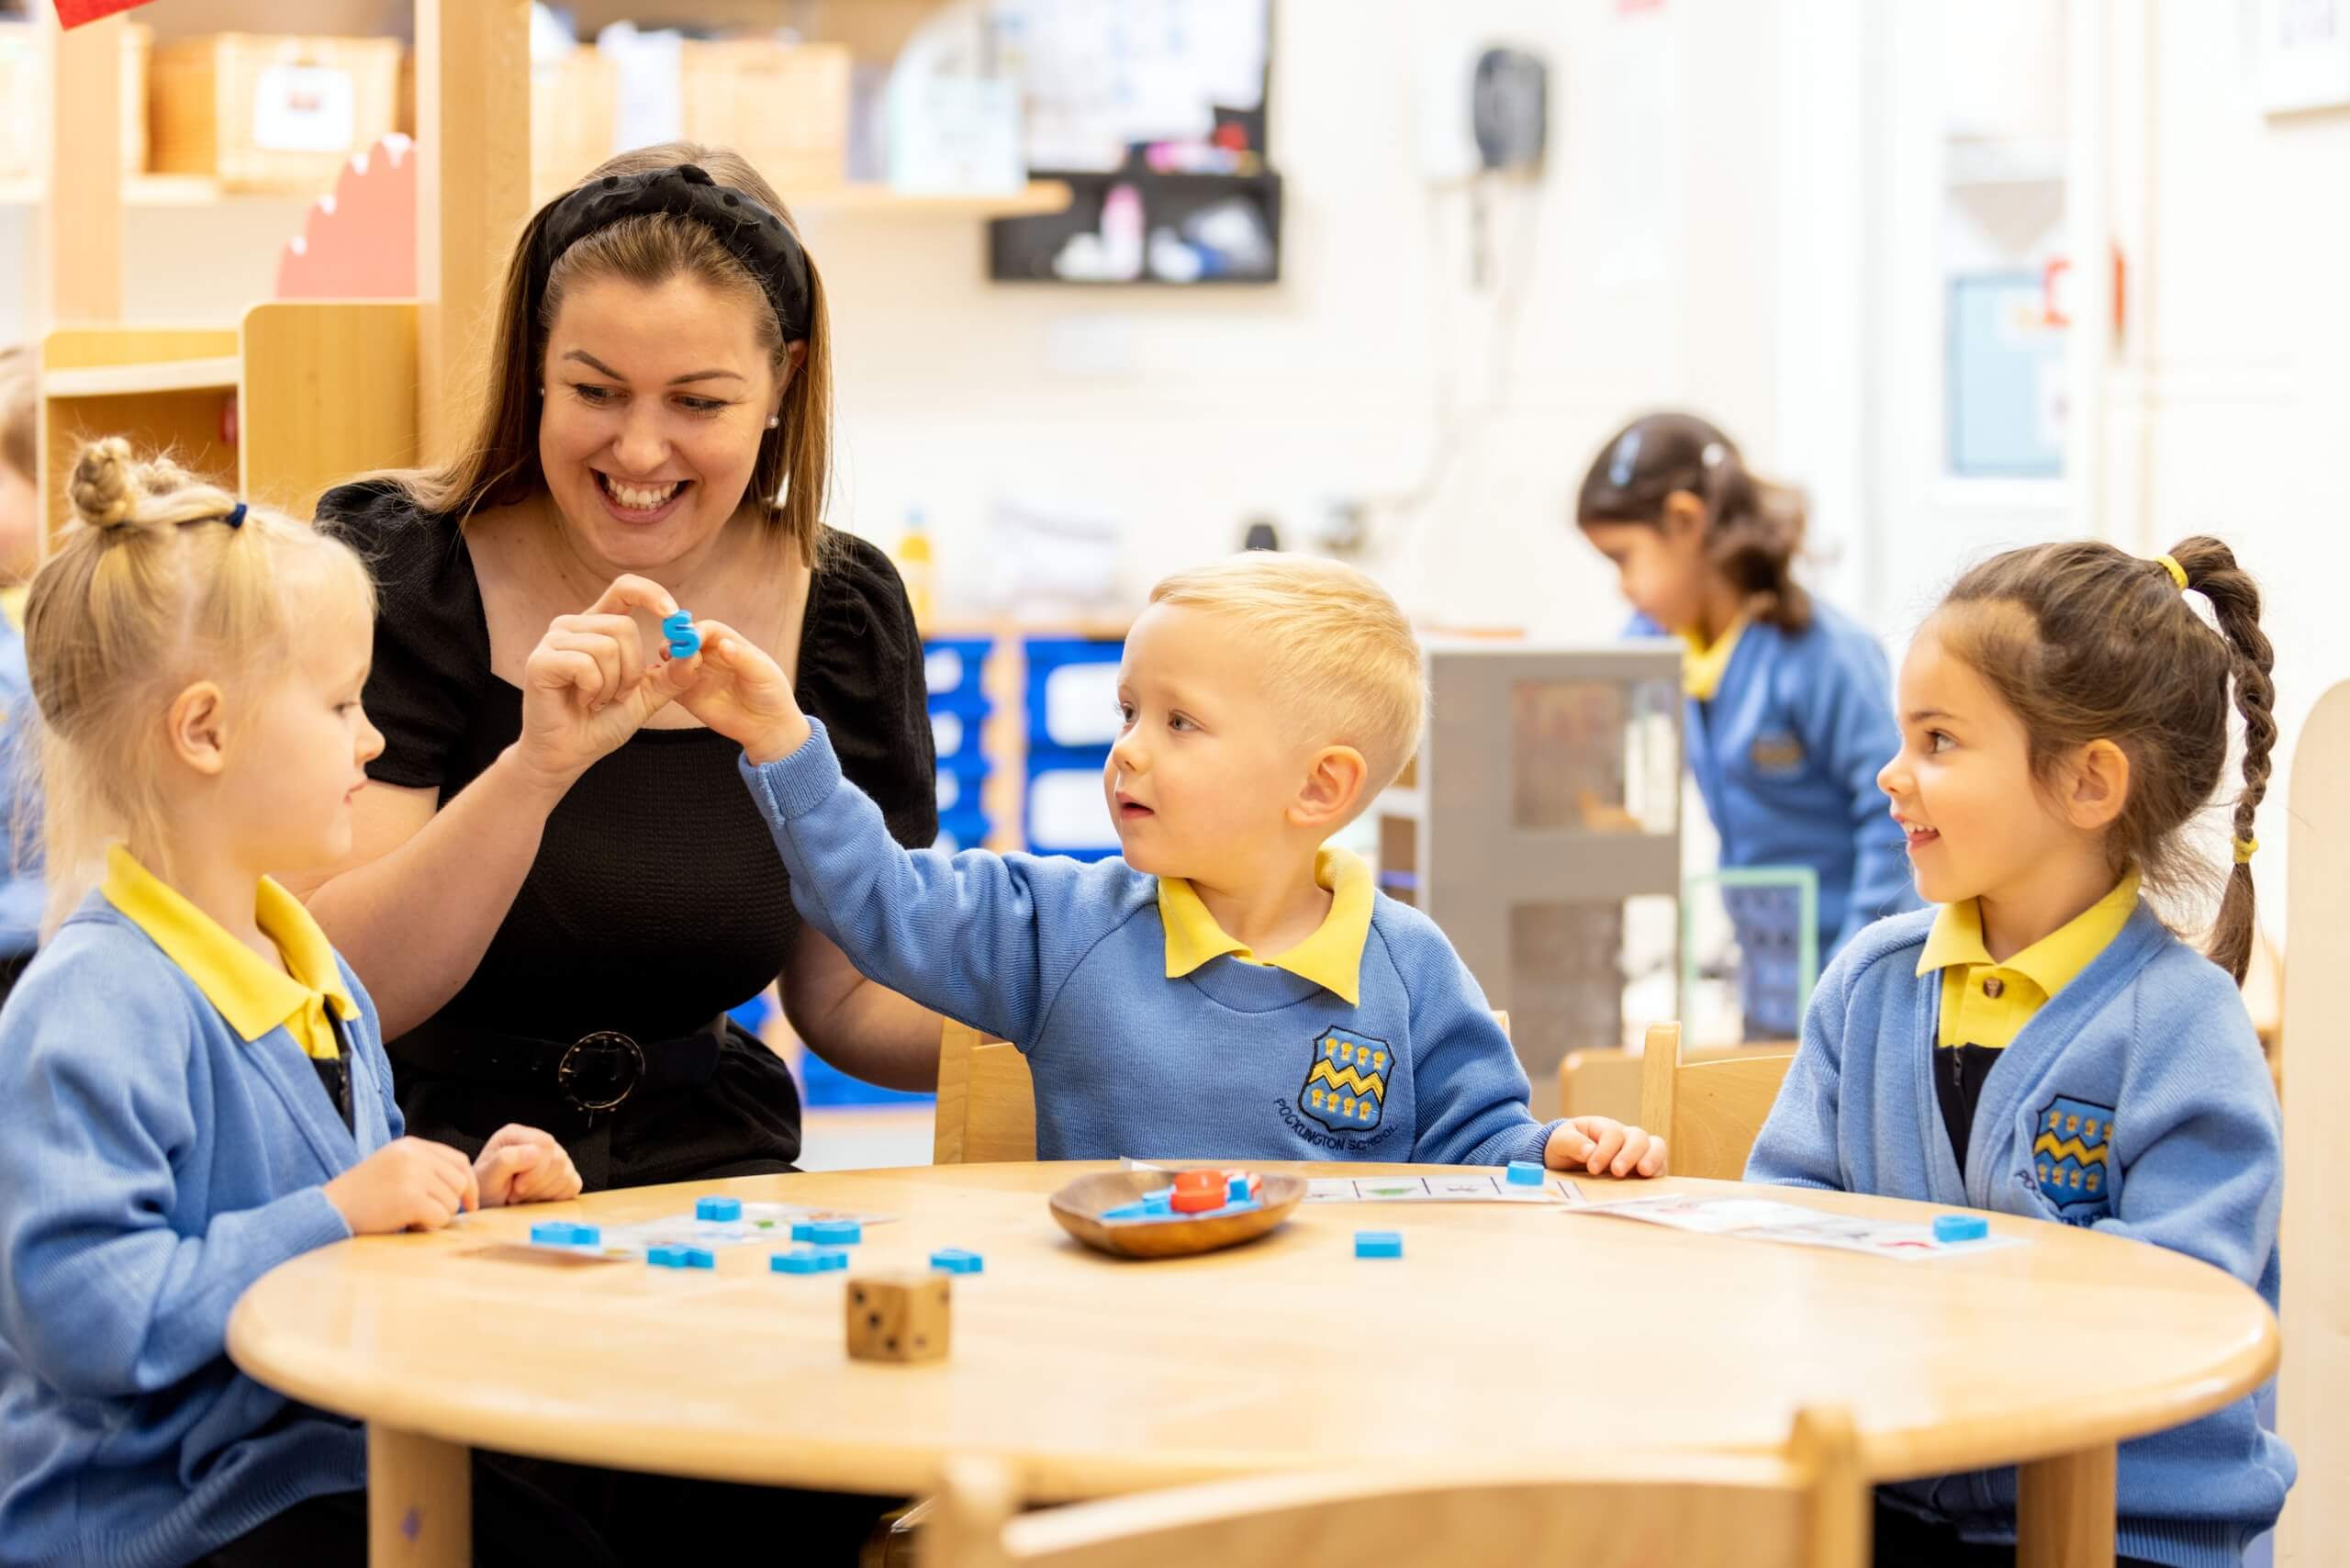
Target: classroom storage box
[954, 671]
[783, 106]
[826, 1085]
[956, 734]
[1072, 692]
[962, 784]
[1067, 812]
[24, 100]
[260, 110]
[962, 829]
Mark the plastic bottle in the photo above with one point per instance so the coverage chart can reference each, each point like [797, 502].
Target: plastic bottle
[915, 567]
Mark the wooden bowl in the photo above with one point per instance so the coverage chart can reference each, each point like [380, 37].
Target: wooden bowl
[1078, 1207]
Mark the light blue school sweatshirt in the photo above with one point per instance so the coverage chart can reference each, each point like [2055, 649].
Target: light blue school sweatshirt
[154, 1165]
[1786, 756]
[2143, 1070]
[1068, 960]
[22, 890]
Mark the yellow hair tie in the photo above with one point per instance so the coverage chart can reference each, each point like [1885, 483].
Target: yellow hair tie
[2178, 573]
[2245, 849]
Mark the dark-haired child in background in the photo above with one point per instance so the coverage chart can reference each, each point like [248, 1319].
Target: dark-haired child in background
[1790, 699]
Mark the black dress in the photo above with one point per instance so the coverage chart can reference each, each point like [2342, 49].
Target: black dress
[657, 900]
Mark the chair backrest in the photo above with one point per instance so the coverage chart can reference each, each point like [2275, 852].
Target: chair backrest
[2310, 1412]
[987, 1101]
[1708, 1112]
[1807, 1507]
[1606, 1082]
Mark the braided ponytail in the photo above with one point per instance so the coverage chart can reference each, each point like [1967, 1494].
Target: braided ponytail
[2212, 571]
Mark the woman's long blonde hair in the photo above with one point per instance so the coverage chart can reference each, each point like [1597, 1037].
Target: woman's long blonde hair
[152, 586]
[500, 466]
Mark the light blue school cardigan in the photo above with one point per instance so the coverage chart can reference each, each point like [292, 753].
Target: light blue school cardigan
[153, 1166]
[2145, 1073]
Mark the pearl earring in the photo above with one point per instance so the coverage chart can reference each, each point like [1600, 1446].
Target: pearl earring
[775, 421]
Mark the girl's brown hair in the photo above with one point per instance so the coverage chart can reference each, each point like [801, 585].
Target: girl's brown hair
[158, 581]
[1753, 528]
[2086, 643]
[500, 465]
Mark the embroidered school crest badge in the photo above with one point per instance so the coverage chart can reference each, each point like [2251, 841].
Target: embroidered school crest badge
[1777, 753]
[1346, 1082]
[2071, 1154]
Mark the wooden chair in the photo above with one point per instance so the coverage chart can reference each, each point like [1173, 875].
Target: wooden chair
[987, 1101]
[1708, 1112]
[1807, 1507]
[1606, 1082]
[2310, 1412]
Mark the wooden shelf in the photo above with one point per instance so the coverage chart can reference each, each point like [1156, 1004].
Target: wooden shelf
[1040, 197]
[131, 380]
[165, 191]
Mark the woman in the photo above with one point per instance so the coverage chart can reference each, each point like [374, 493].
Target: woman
[559, 885]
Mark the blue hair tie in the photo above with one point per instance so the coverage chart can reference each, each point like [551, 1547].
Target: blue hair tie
[1628, 453]
[236, 518]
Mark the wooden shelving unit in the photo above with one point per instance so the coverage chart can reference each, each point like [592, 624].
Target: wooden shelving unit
[306, 394]
[297, 395]
[1039, 198]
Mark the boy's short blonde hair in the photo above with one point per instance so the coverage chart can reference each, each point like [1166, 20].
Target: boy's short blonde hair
[1334, 641]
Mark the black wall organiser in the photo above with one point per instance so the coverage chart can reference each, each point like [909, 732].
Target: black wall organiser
[1021, 249]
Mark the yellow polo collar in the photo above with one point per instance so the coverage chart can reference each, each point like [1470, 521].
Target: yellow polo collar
[2052, 963]
[1703, 666]
[251, 996]
[1331, 957]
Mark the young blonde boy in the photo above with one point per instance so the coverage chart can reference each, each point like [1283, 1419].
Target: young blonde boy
[1231, 986]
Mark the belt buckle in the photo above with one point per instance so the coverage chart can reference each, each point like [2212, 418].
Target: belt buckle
[593, 1063]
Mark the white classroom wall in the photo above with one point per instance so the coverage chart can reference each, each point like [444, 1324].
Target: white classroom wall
[1728, 220]
[1180, 415]
[2235, 404]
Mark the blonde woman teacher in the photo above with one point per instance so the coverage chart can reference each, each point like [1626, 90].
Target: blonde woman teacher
[560, 886]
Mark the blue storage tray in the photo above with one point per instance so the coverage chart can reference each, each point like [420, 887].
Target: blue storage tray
[955, 736]
[1072, 723]
[962, 784]
[1083, 827]
[952, 669]
[962, 830]
[824, 1084]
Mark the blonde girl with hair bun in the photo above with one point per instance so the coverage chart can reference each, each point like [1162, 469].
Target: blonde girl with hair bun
[196, 1085]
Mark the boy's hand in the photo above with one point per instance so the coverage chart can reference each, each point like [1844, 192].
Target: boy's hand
[524, 1165]
[1602, 1145]
[407, 1184]
[743, 695]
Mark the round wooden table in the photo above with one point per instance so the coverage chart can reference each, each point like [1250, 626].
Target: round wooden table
[1517, 1332]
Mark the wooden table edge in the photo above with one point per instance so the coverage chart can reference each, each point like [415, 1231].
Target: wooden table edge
[1052, 1475]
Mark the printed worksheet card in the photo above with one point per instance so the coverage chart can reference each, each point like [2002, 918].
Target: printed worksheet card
[1764, 1219]
[1465, 1187]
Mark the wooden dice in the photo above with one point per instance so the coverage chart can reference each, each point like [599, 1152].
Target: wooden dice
[898, 1317]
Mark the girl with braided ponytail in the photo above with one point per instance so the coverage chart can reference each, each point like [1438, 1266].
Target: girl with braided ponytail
[2064, 717]
[197, 1086]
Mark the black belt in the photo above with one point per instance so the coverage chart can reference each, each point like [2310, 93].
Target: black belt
[594, 1073]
